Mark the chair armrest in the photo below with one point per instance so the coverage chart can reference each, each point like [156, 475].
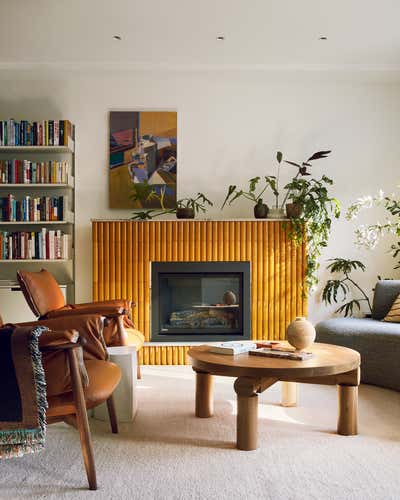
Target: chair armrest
[58, 338]
[89, 326]
[107, 311]
[66, 345]
[124, 303]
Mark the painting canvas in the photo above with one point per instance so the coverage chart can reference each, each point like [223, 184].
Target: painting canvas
[143, 158]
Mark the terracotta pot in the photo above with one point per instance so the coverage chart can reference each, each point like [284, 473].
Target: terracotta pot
[260, 210]
[293, 210]
[276, 213]
[185, 213]
[300, 333]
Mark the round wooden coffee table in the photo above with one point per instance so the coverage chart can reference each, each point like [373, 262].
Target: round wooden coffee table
[331, 365]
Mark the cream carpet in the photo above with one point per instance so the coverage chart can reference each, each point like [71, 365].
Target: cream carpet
[169, 454]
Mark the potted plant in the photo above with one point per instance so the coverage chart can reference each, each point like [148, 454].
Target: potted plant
[148, 193]
[313, 225]
[344, 285]
[188, 207]
[260, 208]
[294, 208]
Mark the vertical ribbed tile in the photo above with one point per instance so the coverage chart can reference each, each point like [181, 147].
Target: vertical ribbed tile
[123, 251]
[95, 261]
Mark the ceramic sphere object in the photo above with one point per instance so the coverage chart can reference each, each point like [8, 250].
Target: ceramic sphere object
[300, 333]
[229, 298]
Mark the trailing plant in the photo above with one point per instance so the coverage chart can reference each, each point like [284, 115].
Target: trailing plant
[337, 290]
[147, 193]
[151, 213]
[197, 204]
[368, 236]
[313, 226]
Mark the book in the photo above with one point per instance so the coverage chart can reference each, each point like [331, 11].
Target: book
[232, 348]
[282, 353]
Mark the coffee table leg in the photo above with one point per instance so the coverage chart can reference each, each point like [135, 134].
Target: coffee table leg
[247, 413]
[204, 395]
[289, 394]
[348, 410]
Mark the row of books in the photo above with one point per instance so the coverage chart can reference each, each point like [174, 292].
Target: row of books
[43, 133]
[34, 172]
[30, 209]
[44, 244]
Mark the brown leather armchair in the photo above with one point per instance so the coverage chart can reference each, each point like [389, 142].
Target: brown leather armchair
[78, 376]
[46, 300]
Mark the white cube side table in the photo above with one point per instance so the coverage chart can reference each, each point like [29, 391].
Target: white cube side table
[125, 397]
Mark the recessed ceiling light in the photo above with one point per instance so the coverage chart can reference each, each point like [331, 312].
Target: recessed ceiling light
[221, 38]
[323, 37]
[117, 37]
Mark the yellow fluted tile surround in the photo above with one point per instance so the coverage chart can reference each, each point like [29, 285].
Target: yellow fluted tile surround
[123, 251]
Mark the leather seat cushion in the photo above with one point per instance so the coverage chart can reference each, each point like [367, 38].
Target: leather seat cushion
[104, 377]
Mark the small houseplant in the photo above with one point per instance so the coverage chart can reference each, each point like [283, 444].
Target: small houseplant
[188, 207]
[260, 208]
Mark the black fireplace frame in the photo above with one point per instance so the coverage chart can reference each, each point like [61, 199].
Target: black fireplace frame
[242, 267]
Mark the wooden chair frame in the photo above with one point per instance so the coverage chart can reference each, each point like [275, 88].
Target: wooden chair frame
[80, 418]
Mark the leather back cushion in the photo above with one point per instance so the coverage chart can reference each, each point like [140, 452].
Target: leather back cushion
[41, 291]
[386, 292]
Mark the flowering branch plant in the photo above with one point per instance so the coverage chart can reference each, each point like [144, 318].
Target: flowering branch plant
[368, 235]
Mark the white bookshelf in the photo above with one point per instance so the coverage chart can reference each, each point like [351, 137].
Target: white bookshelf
[38, 149]
[62, 269]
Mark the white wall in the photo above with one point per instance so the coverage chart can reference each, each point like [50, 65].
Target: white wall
[230, 127]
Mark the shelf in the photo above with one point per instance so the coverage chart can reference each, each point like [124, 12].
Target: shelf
[37, 149]
[34, 260]
[29, 223]
[28, 186]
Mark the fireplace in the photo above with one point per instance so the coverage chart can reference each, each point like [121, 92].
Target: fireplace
[200, 301]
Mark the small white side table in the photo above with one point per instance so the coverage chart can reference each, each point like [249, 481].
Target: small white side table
[125, 397]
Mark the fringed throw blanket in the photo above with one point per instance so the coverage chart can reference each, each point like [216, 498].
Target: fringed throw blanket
[23, 392]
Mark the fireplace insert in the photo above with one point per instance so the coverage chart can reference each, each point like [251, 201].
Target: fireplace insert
[196, 301]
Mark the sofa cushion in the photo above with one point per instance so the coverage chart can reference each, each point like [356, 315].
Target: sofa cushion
[385, 294]
[393, 316]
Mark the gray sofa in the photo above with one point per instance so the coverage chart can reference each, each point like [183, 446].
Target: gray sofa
[378, 342]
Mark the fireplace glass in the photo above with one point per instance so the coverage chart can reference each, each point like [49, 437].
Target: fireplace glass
[200, 299]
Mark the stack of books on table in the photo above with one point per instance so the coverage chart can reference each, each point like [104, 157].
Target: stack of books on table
[232, 348]
[266, 349]
[282, 352]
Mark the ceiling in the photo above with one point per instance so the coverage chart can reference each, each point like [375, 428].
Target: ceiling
[182, 33]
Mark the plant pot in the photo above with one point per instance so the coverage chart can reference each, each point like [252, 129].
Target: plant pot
[260, 211]
[293, 210]
[185, 213]
[300, 333]
[276, 213]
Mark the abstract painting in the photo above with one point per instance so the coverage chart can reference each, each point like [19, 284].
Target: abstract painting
[143, 158]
